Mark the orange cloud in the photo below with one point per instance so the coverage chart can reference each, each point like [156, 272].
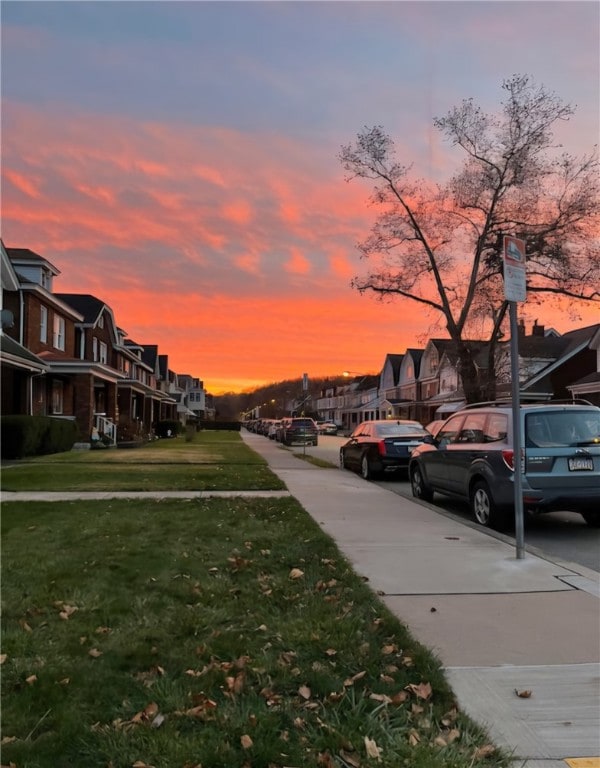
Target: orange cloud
[232, 253]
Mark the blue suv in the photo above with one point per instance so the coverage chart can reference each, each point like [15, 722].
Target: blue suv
[472, 459]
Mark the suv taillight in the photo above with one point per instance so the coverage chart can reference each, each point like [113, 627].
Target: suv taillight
[509, 459]
[381, 448]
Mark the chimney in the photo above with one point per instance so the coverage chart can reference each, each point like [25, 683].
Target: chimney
[537, 330]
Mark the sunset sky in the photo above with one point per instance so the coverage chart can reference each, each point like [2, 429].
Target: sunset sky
[179, 160]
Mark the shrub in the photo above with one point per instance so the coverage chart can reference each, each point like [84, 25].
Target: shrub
[36, 435]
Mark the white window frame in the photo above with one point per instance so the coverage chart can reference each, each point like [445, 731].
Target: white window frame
[94, 348]
[58, 335]
[43, 324]
[103, 358]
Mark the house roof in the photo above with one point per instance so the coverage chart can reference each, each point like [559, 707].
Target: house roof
[87, 305]
[25, 255]
[150, 354]
[572, 342]
[18, 355]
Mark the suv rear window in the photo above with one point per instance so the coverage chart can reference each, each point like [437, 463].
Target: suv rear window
[303, 423]
[561, 428]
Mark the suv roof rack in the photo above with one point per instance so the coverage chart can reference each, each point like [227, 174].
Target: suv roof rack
[507, 401]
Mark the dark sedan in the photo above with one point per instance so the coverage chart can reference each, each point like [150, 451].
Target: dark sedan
[378, 447]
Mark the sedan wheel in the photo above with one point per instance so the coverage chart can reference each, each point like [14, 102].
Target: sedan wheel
[419, 488]
[365, 468]
[342, 460]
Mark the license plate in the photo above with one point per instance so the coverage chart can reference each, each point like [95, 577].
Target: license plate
[577, 465]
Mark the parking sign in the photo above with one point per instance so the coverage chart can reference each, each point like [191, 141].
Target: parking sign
[515, 278]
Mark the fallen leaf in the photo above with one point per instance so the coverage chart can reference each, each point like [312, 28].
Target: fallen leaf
[95, 653]
[388, 649]
[64, 681]
[3, 657]
[67, 611]
[413, 738]
[141, 764]
[486, 751]
[523, 694]
[452, 735]
[246, 741]
[158, 721]
[24, 625]
[8, 739]
[31, 679]
[352, 760]
[380, 697]
[421, 691]
[148, 713]
[304, 691]
[372, 749]
[296, 573]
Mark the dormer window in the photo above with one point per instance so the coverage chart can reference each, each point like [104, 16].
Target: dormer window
[101, 321]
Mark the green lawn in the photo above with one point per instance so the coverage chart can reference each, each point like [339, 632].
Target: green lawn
[213, 461]
[216, 633]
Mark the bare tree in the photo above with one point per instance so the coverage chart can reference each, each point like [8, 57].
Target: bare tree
[441, 245]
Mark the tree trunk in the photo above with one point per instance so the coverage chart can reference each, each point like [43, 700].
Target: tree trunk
[468, 374]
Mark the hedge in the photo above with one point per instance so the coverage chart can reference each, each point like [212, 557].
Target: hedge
[34, 435]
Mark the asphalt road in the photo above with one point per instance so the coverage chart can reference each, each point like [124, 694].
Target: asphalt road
[562, 535]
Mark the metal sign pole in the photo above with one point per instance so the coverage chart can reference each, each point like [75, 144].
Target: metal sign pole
[515, 289]
[516, 428]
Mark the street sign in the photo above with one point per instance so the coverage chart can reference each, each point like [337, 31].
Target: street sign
[515, 277]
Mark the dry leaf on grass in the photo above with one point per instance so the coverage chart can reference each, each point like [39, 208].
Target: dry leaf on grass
[304, 691]
[486, 751]
[3, 657]
[246, 741]
[372, 749]
[31, 679]
[94, 653]
[421, 691]
[296, 573]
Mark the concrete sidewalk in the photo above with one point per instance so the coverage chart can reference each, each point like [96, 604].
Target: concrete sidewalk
[497, 624]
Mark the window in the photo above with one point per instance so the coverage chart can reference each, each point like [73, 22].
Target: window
[497, 427]
[58, 336]
[450, 429]
[44, 325]
[103, 352]
[101, 321]
[94, 348]
[472, 429]
[57, 396]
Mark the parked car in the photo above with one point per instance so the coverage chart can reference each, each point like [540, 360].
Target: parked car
[327, 428]
[300, 430]
[381, 446]
[273, 427]
[472, 459]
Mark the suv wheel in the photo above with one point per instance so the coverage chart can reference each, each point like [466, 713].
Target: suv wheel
[420, 490]
[484, 508]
